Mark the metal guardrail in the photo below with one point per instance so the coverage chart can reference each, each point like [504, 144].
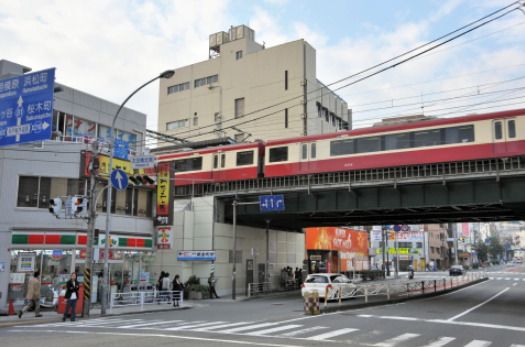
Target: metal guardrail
[359, 178]
[259, 288]
[141, 298]
[399, 289]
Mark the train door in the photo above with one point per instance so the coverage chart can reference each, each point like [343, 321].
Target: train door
[503, 130]
[219, 163]
[308, 153]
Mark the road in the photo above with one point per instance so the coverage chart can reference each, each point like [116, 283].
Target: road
[490, 313]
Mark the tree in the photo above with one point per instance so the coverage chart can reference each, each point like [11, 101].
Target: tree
[482, 250]
[495, 247]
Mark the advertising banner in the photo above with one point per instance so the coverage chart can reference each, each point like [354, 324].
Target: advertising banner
[337, 239]
[165, 190]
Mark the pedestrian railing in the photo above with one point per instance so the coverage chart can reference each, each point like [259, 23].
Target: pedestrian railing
[259, 288]
[400, 289]
[141, 298]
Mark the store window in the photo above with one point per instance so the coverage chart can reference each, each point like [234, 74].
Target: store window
[34, 191]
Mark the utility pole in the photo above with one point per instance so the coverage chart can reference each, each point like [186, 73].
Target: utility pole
[92, 215]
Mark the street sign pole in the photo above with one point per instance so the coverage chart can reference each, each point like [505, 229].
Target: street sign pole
[234, 269]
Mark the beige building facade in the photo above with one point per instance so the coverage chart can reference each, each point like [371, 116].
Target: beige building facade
[246, 91]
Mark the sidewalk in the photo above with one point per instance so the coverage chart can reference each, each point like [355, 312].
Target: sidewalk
[50, 316]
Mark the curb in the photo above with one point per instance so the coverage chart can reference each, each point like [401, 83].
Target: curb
[58, 318]
[397, 300]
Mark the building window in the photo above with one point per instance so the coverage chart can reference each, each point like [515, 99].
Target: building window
[278, 154]
[285, 79]
[182, 123]
[238, 55]
[27, 191]
[245, 158]
[319, 110]
[199, 82]
[239, 107]
[286, 118]
[179, 87]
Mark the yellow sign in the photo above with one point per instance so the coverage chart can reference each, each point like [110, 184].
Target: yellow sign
[124, 165]
[392, 250]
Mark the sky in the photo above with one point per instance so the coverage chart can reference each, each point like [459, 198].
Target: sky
[109, 48]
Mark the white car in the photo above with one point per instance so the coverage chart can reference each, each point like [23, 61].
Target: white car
[328, 283]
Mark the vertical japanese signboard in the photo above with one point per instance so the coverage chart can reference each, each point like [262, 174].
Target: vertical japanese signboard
[26, 107]
[165, 237]
[165, 190]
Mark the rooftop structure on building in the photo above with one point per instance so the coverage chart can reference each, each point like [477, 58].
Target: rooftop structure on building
[248, 91]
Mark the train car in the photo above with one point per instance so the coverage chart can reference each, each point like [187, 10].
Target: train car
[479, 136]
[217, 164]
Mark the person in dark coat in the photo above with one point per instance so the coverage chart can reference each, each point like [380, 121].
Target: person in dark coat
[211, 283]
[178, 290]
[72, 287]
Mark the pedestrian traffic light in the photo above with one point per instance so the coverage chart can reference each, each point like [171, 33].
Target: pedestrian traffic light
[55, 206]
[78, 204]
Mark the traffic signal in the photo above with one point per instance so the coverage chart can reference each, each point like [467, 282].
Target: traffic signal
[141, 180]
[55, 206]
[78, 204]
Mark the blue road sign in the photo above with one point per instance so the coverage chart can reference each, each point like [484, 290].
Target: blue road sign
[119, 179]
[26, 107]
[271, 203]
[121, 149]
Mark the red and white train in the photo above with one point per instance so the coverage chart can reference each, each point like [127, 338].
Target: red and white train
[480, 136]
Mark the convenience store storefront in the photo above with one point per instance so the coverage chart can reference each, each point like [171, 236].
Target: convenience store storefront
[336, 249]
[57, 254]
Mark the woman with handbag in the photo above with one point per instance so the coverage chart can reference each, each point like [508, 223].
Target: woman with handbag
[71, 296]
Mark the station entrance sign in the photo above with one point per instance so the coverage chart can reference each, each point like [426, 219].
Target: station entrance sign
[26, 107]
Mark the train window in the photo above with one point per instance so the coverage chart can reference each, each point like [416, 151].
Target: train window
[215, 161]
[244, 158]
[511, 127]
[192, 164]
[313, 151]
[223, 160]
[498, 131]
[304, 151]
[397, 141]
[341, 147]
[368, 144]
[427, 138]
[278, 154]
[459, 134]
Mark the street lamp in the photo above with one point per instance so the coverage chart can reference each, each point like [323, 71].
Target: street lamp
[105, 287]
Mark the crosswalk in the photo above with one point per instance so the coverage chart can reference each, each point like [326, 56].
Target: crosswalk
[269, 329]
[514, 279]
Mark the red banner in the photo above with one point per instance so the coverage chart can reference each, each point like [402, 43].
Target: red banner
[337, 239]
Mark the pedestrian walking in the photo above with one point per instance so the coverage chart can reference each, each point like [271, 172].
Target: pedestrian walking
[32, 295]
[72, 287]
[211, 283]
[166, 286]
[178, 290]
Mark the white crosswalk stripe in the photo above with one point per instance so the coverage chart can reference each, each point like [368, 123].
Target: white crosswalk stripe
[331, 334]
[140, 325]
[442, 341]
[302, 331]
[517, 345]
[196, 324]
[249, 327]
[220, 326]
[478, 343]
[396, 340]
[274, 330]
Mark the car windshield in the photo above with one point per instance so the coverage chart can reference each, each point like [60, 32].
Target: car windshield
[340, 279]
[317, 279]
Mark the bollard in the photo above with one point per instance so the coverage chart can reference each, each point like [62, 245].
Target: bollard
[444, 284]
[325, 296]
[340, 295]
[423, 287]
[388, 291]
[366, 294]
[311, 303]
[435, 286]
[142, 301]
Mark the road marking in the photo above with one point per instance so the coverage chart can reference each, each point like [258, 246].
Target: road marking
[331, 334]
[302, 331]
[507, 278]
[516, 278]
[400, 318]
[478, 343]
[149, 324]
[514, 284]
[441, 342]
[249, 327]
[113, 333]
[196, 324]
[273, 330]
[517, 345]
[396, 340]
[478, 306]
[222, 326]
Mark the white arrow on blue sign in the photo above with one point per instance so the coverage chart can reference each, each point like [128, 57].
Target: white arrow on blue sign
[271, 203]
[119, 179]
[26, 107]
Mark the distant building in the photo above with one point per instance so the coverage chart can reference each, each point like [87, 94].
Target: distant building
[247, 91]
